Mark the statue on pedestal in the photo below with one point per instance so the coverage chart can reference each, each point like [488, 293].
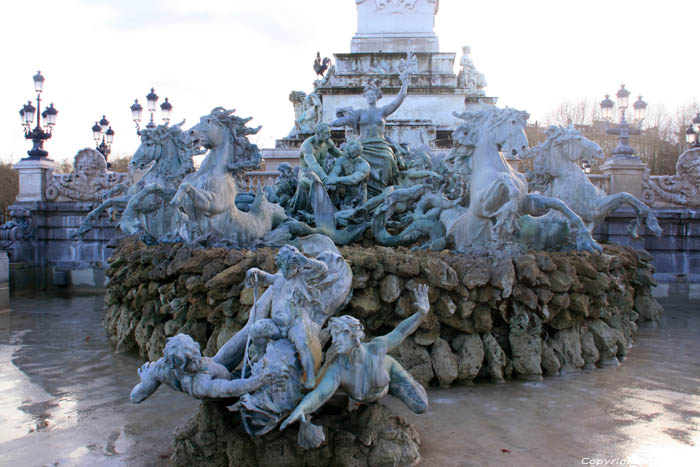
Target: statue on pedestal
[469, 77]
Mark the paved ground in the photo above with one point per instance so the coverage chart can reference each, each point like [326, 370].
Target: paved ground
[64, 401]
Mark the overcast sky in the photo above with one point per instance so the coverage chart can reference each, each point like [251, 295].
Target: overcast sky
[98, 55]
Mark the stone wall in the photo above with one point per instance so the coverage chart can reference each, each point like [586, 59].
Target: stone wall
[43, 252]
[676, 255]
[491, 317]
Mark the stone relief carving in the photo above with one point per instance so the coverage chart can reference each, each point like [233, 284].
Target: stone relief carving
[681, 189]
[396, 5]
[90, 180]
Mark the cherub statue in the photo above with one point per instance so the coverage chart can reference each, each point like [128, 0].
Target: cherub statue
[183, 368]
[364, 370]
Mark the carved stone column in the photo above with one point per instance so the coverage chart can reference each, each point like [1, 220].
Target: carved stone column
[32, 178]
[626, 175]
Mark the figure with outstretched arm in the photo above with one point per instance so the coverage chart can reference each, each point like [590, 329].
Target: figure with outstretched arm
[183, 368]
[369, 124]
[364, 370]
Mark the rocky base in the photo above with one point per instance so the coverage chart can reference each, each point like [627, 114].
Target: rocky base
[368, 437]
[493, 316]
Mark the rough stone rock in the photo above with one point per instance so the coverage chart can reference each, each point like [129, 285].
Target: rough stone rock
[578, 303]
[156, 291]
[445, 363]
[544, 261]
[439, 274]
[231, 275]
[369, 437]
[496, 360]
[365, 302]
[569, 341]
[404, 306]
[210, 270]
[399, 263]
[482, 319]
[526, 348]
[589, 351]
[390, 288]
[563, 320]
[360, 276]
[550, 361]
[648, 308]
[544, 296]
[605, 341]
[478, 274]
[503, 276]
[415, 359]
[560, 281]
[560, 300]
[470, 356]
[465, 308]
[527, 270]
[525, 295]
[446, 312]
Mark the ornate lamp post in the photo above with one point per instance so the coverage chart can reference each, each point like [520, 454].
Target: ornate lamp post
[102, 130]
[692, 134]
[152, 101]
[623, 150]
[38, 135]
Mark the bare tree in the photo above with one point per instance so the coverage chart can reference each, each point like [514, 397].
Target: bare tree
[119, 163]
[9, 186]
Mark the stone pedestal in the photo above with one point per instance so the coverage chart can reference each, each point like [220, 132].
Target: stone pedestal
[395, 26]
[626, 175]
[32, 178]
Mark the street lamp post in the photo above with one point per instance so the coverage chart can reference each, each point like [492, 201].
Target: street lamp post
[103, 130]
[38, 135]
[623, 150]
[692, 134]
[166, 109]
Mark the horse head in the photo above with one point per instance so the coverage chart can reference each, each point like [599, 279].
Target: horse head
[569, 144]
[505, 128]
[157, 142]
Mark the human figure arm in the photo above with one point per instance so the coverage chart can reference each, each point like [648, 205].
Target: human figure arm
[391, 107]
[205, 387]
[307, 153]
[316, 398]
[150, 381]
[360, 174]
[410, 324]
[263, 278]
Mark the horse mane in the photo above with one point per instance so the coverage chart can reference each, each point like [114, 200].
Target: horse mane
[468, 133]
[238, 132]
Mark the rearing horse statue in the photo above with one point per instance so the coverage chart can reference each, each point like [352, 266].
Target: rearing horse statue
[145, 203]
[499, 195]
[558, 174]
[206, 198]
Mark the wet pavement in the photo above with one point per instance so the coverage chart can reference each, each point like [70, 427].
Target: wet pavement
[64, 401]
